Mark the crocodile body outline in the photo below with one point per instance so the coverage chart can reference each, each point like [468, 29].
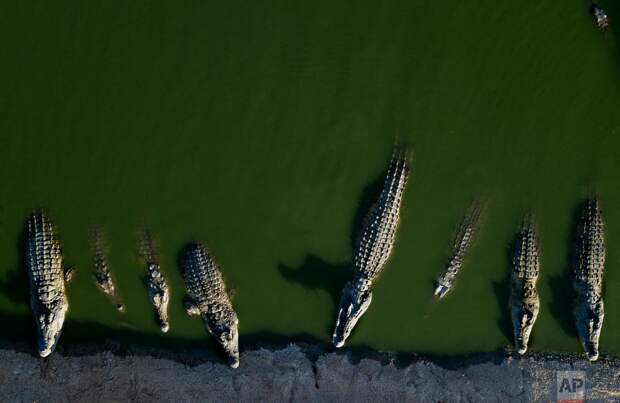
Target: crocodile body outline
[209, 298]
[373, 248]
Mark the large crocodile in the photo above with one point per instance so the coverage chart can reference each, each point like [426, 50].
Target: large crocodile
[48, 298]
[103, 277]
[524, 299]
[158, 289]
[589, 262]
[373, 248]
[209, 299]
[461, 245]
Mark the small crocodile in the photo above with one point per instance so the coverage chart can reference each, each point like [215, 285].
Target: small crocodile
[209, 299]
[159, 294]
[600, 18]
[589, 263]
[461, 245]
[103, 277]
[158, 289]
[524, 299]
[373, 248]
[48, 298]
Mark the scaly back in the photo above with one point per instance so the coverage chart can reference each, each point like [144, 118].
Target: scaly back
[590, 244]
[526, 259]
[203, 278]
[44, 258]
[378, 235]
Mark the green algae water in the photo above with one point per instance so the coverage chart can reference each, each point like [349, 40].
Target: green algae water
[262, 130]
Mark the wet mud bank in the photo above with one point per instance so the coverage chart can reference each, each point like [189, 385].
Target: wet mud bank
[291, 373]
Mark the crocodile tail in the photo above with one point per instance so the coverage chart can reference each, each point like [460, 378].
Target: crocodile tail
[147, 247]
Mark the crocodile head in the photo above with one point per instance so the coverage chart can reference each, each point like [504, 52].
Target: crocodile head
[355, 300]
[523, 318]
[49, 325]
[227, 334]
[589, 322]
[525, 309]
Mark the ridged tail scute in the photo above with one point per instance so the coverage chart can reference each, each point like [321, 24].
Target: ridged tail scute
[373, 248]
[208, 298]
[524, 299]
[589, 264]
[48, 299]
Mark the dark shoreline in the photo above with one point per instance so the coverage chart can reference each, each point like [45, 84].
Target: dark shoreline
[311, 350]
[295, 372]
[127, 342]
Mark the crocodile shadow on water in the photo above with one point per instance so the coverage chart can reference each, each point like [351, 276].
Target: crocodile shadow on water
[562, 294]
[317, 274]
[501, 289]
[15, 286]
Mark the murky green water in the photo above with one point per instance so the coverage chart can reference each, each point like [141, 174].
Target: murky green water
[260, 128]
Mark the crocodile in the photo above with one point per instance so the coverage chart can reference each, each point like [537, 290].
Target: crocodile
[103, 277]
[47, 277]
[524, 300]
[209, 299]
[373, 248]
[159, 294]
[461, 245]
[600, 17]
[158, 289]
[588, 266]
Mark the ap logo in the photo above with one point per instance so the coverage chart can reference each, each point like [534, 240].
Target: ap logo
[571, 386]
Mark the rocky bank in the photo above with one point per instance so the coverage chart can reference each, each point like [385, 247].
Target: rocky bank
[291, 374]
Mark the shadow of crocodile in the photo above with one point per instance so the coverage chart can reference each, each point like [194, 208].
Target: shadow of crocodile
[15, 286]
[561, 285]
[501, 289]
[317, 274]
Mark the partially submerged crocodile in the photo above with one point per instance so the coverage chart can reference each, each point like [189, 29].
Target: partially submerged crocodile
[589, 263]
[209, 299]
[524, 299]
[48, 298]
[103, 277]
[461, 245]
[159, 294]
[373, 248]
[600, 17]
[158, 289]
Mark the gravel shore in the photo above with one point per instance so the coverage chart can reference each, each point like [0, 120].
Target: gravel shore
[292, 374]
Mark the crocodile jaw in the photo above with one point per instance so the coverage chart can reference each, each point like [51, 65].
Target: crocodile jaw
[231, 347]
[227, 335]
[49, 325]
[229, 340]
[523, 318]
[353, 304]
[589, 324]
